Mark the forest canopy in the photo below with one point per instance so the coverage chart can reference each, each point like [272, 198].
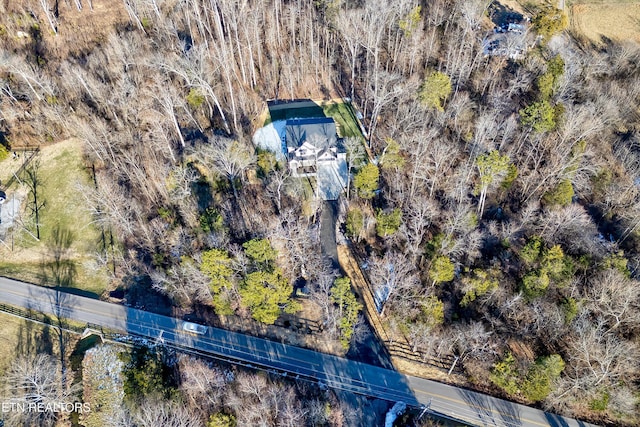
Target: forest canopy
[492, 200]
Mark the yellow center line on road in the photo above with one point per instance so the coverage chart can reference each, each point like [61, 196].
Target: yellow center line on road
[472, 405]
[242, 347]
[315, 367]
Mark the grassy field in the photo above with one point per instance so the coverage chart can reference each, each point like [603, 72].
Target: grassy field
[12, 327]
[595, 19]
[19, 336]
[617, 20]
[66, 225]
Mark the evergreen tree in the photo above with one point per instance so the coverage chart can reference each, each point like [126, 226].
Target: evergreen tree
[366, 181]
[216, 264]
[549, 20]
[432, 310]
[540, 116]
[538, 383]
[388, 223]
[505, 374]
[348, 307]
[391, 157]
[480, 284]
[355, 223]
[561, 195]
[222, 420]
[265, 294]
[442, 270]
[434, 90]
[260, 252]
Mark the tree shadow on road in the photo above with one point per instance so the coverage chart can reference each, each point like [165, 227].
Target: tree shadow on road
[367, 348]
[558, 421]
[492, 411]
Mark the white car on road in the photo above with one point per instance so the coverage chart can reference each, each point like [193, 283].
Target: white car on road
[194, 328]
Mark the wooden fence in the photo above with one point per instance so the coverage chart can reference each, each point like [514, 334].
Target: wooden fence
[401, 348]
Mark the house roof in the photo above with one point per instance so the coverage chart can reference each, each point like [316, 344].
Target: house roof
[319, 131]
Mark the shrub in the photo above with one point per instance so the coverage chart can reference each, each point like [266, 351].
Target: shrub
[210, 220]
[600, 403]
[266, 162]
[195, 98]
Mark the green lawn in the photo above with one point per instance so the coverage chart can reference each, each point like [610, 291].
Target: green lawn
[66, 227]
[344, 115]
[84, 282]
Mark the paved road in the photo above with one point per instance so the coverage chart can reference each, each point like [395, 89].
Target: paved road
[334, 372]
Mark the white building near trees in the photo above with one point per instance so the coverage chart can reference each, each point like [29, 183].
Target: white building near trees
[312, 149]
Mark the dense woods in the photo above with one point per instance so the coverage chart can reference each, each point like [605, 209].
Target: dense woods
[154, 387]
[497, 210]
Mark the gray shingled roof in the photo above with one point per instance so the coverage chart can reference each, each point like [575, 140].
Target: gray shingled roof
[320, 129]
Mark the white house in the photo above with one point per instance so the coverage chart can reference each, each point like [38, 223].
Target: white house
[313, 149]
[310, 142]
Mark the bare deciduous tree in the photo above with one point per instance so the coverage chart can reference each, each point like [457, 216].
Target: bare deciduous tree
[391, 276]
[598, 357]
[184, 284]
[37, 380]
[616, 299]
[229, 158]
[202, 384]
[155, 412]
